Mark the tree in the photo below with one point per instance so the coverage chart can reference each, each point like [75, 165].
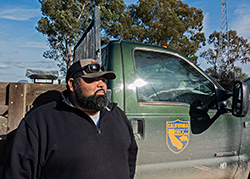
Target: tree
[170, 23]
[223, 58]
[112, 13]
[63, 22]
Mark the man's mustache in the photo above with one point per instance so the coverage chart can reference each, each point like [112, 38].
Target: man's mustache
[100, 90]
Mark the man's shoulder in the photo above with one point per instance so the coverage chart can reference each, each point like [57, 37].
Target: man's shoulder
[116, 110]
[113, 107]
[43, 109]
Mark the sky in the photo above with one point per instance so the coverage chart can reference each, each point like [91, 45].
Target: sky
[22, 46]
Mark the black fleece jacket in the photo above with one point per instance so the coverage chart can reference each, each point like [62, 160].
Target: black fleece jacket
[57, 141]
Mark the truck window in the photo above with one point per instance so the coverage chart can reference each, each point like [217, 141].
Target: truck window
[166, 77]
[247, 81]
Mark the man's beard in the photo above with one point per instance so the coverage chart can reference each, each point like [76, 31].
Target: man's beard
[93, 103]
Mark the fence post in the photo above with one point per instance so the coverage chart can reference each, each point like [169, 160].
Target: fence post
[17, 105]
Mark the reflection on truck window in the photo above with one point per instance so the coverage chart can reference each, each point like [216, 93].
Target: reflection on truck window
[168, 78]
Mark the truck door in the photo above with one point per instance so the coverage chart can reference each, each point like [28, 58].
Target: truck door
[160, 88]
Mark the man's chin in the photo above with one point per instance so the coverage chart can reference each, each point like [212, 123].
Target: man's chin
[94, 103]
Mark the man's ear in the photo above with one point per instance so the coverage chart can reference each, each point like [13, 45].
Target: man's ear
[71, 82]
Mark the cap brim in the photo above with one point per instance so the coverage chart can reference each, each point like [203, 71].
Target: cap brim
[109, 75]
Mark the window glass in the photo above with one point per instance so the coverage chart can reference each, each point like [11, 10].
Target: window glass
[168, 78]
[247, 81]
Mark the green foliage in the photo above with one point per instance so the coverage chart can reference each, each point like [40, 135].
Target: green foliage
[170, 23]
[111, 17]
[223, 65]
[62, 22]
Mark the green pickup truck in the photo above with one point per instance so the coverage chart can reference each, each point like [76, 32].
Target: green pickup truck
[186, 125]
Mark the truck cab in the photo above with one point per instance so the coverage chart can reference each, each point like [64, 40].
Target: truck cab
[182, 118]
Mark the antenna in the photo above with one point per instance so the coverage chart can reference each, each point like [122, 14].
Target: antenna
[224, 34]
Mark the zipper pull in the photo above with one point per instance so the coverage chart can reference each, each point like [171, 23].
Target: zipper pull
[99, 131]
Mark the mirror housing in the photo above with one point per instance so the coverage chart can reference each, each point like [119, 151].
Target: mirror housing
[109, 94]
[240, 106]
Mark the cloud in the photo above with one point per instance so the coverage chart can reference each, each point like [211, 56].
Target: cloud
[21, 65]
[242, 21]
[3, 66]
[42, 64]
[19, 13]
[48, 64]
[206, 20]
[33, 44]
[22, 43]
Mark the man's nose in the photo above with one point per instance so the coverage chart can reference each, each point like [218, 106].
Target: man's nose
[101, 83]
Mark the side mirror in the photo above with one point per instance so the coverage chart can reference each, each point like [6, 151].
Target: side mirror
[240, 107]
[109, 94]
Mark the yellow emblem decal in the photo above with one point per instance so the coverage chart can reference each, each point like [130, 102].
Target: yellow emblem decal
[177, 135]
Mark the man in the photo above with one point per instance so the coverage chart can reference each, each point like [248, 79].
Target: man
[81, 136]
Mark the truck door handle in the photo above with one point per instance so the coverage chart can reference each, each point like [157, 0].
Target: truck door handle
[138, 128]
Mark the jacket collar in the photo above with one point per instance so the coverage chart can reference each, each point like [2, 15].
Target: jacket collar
[65, 95]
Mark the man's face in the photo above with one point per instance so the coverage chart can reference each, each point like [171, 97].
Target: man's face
[91, 93]
[89, 86]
